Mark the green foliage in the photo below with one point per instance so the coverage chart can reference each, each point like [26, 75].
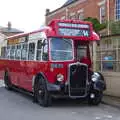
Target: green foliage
[115, 27]
[96, 24]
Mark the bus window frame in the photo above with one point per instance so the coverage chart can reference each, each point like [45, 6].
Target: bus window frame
[9, 52]
[27, 51]
[3, 50]
[81, 49]
[38, 50]
[43, 49]
[32, 41]
[73, 50]
[16, 51]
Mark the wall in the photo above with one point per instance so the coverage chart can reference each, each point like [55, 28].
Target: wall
[90, 9]
[113, 83]
[109, 46]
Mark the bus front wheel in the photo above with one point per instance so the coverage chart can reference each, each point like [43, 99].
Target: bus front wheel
[41, 93]
[7, 82]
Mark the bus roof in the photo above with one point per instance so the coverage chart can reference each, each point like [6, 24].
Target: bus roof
[28, 33]
[74, 29]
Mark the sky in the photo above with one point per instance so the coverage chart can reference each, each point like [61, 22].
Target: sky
[26, 15]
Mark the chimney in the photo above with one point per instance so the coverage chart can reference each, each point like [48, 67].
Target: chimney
[9, 25]
[47, 11]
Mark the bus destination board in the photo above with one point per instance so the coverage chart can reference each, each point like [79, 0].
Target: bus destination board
[73, 29]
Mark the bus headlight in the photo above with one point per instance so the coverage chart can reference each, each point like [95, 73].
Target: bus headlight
[60, 77]
[95, 77]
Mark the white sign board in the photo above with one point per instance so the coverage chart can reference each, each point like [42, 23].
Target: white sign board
[37, 36]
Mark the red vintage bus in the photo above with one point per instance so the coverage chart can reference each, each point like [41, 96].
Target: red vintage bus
[54, 61]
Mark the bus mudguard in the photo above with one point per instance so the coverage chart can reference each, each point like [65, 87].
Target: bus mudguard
[98, 81]
[50, 87]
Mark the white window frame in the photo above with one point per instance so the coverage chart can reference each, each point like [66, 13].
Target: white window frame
[100, 12]
[62, 18]
[72, 15]
[35, 42]
[80, 12]
[22, 49]
[116, 15]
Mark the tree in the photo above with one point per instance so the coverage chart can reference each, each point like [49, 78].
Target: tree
[96, 24]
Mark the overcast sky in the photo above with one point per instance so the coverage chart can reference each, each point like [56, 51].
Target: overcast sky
[26, 15]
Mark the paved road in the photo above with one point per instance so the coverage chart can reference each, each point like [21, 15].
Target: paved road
[1, 83]
[18, 106]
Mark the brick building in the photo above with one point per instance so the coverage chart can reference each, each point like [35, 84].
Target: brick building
[103, 10]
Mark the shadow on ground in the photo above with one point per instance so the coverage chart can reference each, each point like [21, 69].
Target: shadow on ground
[13, 94]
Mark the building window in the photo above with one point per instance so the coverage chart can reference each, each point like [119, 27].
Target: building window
[102, 14]
[80, 14]
[63, 18]
[72, 16]
[117, 9]
[108, 55]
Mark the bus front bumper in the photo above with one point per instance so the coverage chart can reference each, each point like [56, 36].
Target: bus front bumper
[53, 87]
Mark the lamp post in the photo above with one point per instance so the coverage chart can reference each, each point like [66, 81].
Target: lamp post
[108, 17]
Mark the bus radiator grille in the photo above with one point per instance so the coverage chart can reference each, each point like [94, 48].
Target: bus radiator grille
[78, 79]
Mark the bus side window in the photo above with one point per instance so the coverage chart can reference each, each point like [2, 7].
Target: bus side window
[12, 52]
[3, 49]
[81, 52]
[31, 53]
[45, 51]
[24, 52]
[18, 52]
[39, 47]
[7, 52]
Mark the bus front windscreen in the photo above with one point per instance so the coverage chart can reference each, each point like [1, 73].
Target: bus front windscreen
[61, 49]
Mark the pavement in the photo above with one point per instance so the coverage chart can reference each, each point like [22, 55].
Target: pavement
[108, 100]
[111, 100]
[1, 83]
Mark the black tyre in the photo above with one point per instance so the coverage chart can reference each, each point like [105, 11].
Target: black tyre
[7, 82]
[97, 99]
[41, 94]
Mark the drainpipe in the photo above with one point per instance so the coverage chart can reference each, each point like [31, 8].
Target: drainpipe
[108, 17]
[66, 12]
